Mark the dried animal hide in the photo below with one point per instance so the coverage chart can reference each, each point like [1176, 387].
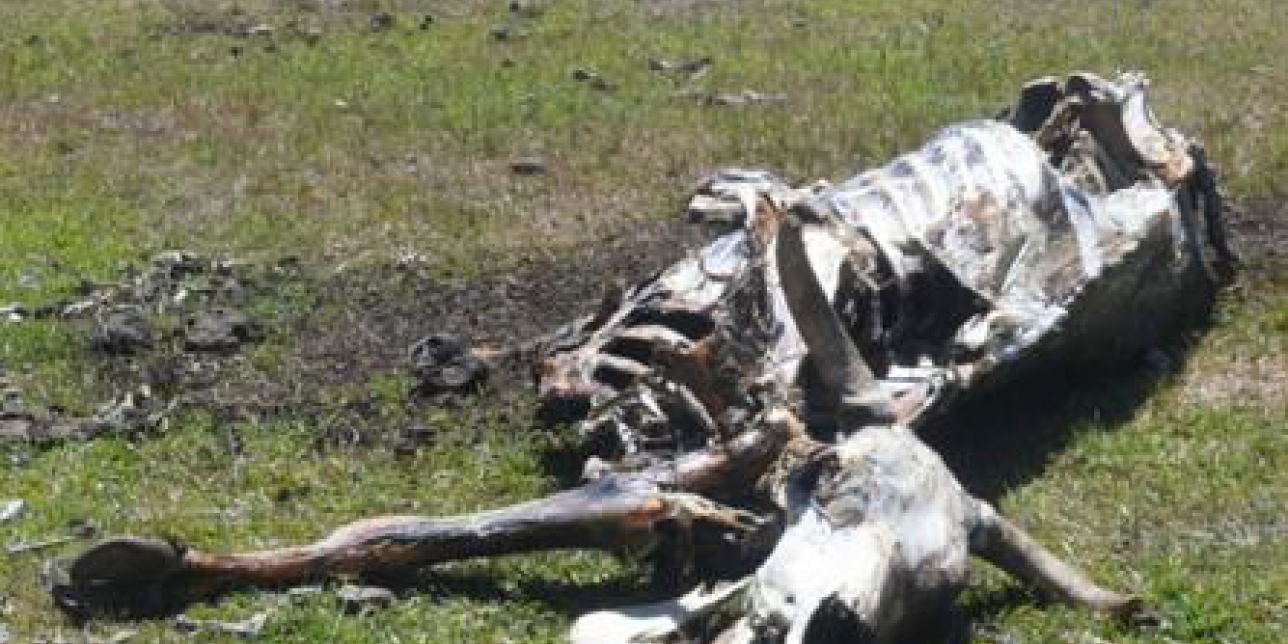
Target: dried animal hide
[1072, 235]
[998, 248]
[758, 400]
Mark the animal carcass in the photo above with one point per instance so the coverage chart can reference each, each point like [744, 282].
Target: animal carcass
[758, 401]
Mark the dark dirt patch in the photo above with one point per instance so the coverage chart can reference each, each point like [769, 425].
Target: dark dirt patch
[333, 349]
[366, 321]
[379, 313]
[1259, 232]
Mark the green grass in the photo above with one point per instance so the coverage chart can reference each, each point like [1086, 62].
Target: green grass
[126, 129]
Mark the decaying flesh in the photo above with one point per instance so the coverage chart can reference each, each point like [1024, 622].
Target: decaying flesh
[758, 401]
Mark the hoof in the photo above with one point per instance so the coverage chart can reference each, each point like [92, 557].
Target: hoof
[125, 577]
[126, 559]
[1136, 613]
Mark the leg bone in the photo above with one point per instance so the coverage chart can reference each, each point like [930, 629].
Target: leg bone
[1005, 545]
[145, 576]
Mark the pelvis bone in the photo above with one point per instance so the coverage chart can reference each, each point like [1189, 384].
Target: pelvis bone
[758, 401]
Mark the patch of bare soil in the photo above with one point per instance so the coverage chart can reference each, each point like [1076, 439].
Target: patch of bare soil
[380, 312]
[362, 323]
[1241, 376]
[1228, 381]
[1259, 232]
[328, 347]
[368, 320]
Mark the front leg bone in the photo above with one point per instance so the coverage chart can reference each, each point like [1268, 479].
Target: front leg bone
[133, 576]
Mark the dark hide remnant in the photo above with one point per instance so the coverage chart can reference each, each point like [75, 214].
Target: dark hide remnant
[444, 364]
[760, 399]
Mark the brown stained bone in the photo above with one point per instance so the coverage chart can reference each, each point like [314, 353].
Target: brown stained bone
[692, 365]
[611, 514]
[133, 577]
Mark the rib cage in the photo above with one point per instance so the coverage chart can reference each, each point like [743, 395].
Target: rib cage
[967, 260]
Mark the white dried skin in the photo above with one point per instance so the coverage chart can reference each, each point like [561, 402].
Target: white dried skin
[1054, 262]
[886, 531]
[883, 531]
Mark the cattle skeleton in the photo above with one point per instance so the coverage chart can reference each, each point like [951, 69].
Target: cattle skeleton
[761, 396]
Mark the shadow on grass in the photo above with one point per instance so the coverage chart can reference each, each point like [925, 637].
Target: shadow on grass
[1000, 440]
[1005, 438]
[566, 598]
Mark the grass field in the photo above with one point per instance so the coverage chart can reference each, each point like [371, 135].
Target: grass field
[361, 138]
